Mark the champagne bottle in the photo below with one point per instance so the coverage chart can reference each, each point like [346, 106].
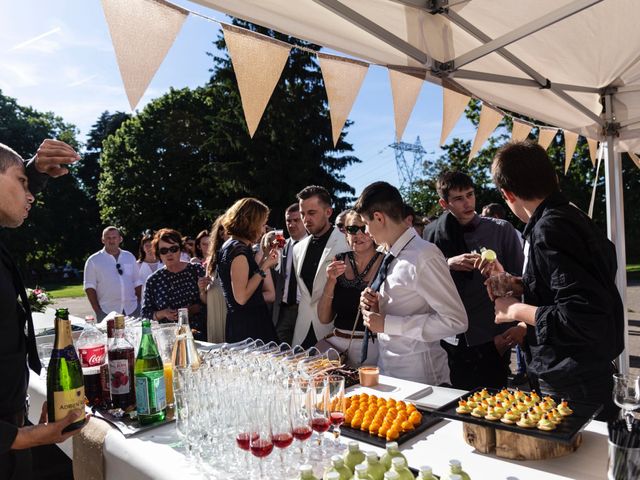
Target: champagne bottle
[150, 390]
[185, 352]
[65, 387]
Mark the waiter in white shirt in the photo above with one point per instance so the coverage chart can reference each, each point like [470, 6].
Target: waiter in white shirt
[111, 279]
[418, 304]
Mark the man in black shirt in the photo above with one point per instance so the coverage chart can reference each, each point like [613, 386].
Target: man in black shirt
[310, 259]
[17, 350]
[571, 305]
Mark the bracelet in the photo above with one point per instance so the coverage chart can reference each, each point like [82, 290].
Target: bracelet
[328, 296]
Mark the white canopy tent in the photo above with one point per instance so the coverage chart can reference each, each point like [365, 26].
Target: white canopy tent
[573, 64]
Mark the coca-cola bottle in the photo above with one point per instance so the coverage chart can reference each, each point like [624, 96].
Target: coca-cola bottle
[121, 369]
[93, 355]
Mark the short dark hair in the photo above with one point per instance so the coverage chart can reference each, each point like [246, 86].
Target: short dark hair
[147, 236]
[494, 210]
[315, 191]
[408, 210]
[452, 180]
[166, 235]
[8, 158]
[524, 169]
[381, 197]
[294, 207]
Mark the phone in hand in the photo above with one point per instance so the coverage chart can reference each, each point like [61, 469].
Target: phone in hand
[341, 256]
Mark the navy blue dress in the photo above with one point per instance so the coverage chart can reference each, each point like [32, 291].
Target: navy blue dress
[251, 319]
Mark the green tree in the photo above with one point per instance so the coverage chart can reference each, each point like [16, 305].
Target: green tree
[54, 231]
[187, 156]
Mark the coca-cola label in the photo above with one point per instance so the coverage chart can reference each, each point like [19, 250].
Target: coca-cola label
[92, 356]
[119, 376]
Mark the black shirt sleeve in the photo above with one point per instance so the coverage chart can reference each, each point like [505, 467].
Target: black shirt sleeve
[8, 433]
[37, 180]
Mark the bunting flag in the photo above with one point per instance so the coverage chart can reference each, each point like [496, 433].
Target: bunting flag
[546, 136]
[520, 131]
[142, 32]
[635, 159]
[593, 150]
[257, 63]
[453, 105]
[342, 81]
[405, 89]
[489, 120]
[570, 142]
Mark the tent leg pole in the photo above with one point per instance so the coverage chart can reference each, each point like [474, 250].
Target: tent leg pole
[615, 232]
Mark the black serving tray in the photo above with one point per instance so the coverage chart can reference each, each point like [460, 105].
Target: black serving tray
[583, 413]
[428, 420]
[130, 426]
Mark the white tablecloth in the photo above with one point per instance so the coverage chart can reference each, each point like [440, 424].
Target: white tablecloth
[151, 456]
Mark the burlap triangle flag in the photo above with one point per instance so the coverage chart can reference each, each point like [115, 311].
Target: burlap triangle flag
[635, 159]
[546, 136]
[453, 105]
[142, 32]
[343, 78]
[405, 89]
[593, 150]
[489, 120]
[570, 142]
[520, 131]
[257, 63]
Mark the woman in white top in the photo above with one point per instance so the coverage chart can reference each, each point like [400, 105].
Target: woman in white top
[147, 261]
[210, 290]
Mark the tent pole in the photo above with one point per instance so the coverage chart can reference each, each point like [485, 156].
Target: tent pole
[615, 224]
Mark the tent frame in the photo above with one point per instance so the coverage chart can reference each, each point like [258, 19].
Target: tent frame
[451, 69]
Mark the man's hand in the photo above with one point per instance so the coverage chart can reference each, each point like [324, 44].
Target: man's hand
[463, 263]
[46, 433]
[501, 343]
[53, 156]
[515, 335]
[373, 320]
[488, 267]
[369, 301]
[502, 309]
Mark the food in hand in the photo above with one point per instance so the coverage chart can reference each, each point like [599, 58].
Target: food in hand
[488, 255]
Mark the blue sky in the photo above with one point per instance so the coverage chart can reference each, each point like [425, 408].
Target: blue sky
[57, 56]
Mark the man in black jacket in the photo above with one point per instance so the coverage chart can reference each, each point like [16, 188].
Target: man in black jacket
[18, 353]
[571, 305]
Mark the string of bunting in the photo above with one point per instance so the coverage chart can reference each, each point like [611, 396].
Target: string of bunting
[143, 31]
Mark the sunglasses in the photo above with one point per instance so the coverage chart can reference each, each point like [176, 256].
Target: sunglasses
[119, 268]
[165, 250]
[340, 226]
[354, 229]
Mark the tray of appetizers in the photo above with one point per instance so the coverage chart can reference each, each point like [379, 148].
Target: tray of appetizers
[376, 420]
[528, 413]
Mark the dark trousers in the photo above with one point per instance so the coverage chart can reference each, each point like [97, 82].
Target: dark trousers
[477, 365]
[286, 322]
[16, 464]
[310, 340]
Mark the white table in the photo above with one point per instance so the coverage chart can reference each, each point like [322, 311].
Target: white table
[151, 456]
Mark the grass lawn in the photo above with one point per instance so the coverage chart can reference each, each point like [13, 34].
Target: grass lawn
[64, 291]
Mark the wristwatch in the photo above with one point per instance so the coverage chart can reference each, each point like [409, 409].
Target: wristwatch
[260, 272]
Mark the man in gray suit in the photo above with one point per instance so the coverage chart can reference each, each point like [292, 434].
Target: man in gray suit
[310, 259]
[285, 308]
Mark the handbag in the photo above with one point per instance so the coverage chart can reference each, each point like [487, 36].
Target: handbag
[324, 344]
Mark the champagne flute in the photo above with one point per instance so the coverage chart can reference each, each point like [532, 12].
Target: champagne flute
[336, 406]
[626, 395]
[320, 422]
[282, 426]
[261, 439]
[301, 413]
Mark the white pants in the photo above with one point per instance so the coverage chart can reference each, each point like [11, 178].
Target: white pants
[355, 349]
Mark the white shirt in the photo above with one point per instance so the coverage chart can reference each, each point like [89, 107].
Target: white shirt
[145, 269]
[115, 292]
[421, 306]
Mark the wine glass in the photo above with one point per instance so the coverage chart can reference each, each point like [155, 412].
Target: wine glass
[182, 419]
[335, 384]
[320, 422]
[282, 426]
[301, 413]
[261, 439]
[626, 395]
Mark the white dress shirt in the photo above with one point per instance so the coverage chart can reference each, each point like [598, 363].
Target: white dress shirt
[115, 292]
[421, 306]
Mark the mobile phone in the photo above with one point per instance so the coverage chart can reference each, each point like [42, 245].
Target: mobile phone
[341, 256]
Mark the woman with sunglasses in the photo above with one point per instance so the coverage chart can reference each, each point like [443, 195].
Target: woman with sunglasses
[347, 276]
[241, 277]
[174, 286]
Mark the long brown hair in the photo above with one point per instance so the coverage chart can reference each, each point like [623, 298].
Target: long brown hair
[217, 239]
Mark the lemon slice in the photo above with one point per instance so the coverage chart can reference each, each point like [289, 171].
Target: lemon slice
[489, 255]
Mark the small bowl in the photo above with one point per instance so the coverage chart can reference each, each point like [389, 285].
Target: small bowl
[369, 376]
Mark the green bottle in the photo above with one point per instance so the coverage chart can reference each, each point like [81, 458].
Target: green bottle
[151, 400]
[361, 472]
[353, 456]
[65, 384]
[426, 473]
[456, 469]
[331, 475]
[306, 473]
[337, 465]
[375, 469]
[399, 465]
[392, 451]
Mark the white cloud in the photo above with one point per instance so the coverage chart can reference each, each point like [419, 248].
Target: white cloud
[40, 42]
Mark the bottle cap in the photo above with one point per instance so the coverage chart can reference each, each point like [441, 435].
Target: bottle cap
[454, 463]
[398, 462]
[90, 319]
[332, 476]
[306, 469]
[392, 446]
[361, 468]
[455, 476]
[337, 461]
[372, 457]
[426, 469]
[354, 446]
[391, 475]
[119, 321]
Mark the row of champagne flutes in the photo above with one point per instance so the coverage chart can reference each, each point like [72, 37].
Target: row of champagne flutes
[250, 410]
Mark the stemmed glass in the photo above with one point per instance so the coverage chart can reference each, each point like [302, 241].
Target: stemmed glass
[182, 419]
[281, 424]
[320, 422]
[261, 439]
[301, 413]
[336, 406]
[626, 395]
